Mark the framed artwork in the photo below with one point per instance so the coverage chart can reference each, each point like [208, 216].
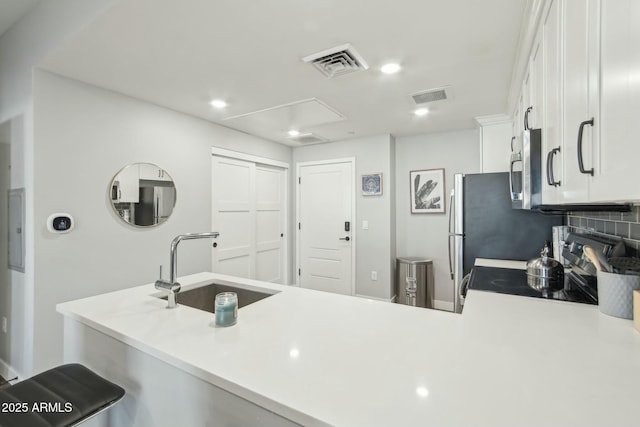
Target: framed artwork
[427, 191]
[372, 184]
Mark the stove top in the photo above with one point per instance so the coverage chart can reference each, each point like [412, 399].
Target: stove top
[514, 282]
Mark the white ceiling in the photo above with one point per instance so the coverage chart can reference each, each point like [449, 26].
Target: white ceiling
[182, 54]
[11, 11]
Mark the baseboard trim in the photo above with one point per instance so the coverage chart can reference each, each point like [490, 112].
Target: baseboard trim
[7, 372]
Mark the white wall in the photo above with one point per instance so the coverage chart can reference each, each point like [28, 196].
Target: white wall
[15, 291]
[373, 249]
[5, 273]
[21, 48]
[425, 235]
[83, 136]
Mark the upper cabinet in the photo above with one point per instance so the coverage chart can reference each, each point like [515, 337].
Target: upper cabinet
[127, 185]
[580, 97]
[582, 88]
[495, 137]
[619, 151]
[551, 117]
[149, 171]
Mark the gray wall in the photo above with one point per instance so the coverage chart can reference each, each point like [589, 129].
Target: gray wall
[373, 249]
[82, 136]
[425, 235]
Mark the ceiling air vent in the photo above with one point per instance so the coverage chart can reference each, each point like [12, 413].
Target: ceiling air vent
[308, 138]
[431, 95]
[337, 61]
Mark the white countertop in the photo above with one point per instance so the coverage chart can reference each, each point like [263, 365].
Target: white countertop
[324, 359]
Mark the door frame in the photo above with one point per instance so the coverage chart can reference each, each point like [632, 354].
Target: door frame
[237, 155]
[299, 165]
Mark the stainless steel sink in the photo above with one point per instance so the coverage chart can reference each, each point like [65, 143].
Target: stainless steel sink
[203, 297]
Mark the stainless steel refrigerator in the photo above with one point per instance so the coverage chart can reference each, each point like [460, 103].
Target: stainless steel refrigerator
[482, 224]
[156, 202]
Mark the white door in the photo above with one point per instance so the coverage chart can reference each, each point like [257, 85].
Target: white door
[248, 202]
[270, 224]
[325, 211]
[233, 190]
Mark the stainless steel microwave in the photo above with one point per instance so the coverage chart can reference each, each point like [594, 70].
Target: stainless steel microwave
[525, 170]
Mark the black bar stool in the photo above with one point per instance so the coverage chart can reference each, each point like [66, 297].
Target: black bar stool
[60, 397]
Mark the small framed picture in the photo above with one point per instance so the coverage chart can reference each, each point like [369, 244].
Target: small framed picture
[427, 191]
[372, 184]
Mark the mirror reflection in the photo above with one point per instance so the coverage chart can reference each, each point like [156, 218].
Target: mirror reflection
[143, 194]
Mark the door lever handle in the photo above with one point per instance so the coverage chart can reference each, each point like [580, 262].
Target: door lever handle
[345, 238]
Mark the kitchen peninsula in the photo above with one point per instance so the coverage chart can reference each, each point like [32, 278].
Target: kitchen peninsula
[318, 359]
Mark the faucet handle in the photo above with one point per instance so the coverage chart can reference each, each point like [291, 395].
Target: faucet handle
[173, 288]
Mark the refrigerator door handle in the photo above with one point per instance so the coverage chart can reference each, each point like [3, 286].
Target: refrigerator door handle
[451, 209]
[451, 232]
[451, 236]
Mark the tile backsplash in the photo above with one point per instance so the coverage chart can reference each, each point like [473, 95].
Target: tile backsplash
[625, 225]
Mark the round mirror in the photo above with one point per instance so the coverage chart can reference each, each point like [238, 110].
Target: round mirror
[143, 194]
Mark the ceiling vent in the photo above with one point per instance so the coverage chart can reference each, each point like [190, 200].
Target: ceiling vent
[308, 138]
[337, 61]
[432, 95]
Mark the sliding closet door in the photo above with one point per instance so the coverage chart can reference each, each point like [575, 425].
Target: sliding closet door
[248, 201]
[233, 193]
[269, 223]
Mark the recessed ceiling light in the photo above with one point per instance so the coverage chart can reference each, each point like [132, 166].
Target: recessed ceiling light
[218, 103]
[421, 112]
[390, 68]
[422, 391]
[294, 132]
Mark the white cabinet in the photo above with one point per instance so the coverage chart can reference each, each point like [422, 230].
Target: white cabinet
[534, 117]
[580, 97]
[590, 97]
[152, 172]
[619, 150]
[128, 187]
[551, 123]
[495, 138]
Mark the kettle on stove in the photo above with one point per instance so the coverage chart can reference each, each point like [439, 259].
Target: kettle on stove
[545, 274]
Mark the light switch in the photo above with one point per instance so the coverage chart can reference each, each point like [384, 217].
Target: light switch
[374, 275]
[365, 224]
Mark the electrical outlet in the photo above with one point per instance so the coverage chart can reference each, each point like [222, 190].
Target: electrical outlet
[4, 324]
[374, 275]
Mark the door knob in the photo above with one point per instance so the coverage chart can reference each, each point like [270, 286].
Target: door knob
[345, 238]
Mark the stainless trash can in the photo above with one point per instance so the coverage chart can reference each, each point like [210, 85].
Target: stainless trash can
[414, 281]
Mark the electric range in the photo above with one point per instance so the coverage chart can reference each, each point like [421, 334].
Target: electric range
[514, 282]
[580, 283]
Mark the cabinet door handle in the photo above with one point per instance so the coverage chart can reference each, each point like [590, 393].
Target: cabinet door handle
[345, 238]
[580, 161]
[526, 118]
[513, 138]
[550, 178]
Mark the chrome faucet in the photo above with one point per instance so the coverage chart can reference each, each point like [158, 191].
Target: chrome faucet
[172, 285]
